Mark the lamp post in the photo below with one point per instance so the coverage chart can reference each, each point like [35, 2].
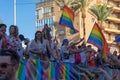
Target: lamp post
[14, 12]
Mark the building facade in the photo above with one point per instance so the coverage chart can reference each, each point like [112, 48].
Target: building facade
[112, 24]
[47, 12]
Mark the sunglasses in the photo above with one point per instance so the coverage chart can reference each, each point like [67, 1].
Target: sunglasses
[5, 65]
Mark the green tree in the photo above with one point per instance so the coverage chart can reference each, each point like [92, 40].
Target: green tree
[102, 12]
[76, 5]
[61, 3]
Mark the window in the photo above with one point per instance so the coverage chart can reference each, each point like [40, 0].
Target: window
[48, 11]
[36, 13]
[52, 9]
[40, 14]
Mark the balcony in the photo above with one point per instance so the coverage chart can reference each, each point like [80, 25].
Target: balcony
[112, 30]
[115, 20]
[44, 3]
[116, 9]
[49, 14]
[116, 0]
[111, 42]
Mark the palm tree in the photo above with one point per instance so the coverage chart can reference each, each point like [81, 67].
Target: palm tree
[82, 6]
[102, 12]
[76, 5]
[61, 3]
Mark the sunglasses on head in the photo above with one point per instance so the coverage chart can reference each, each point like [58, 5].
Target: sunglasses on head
[5, 65]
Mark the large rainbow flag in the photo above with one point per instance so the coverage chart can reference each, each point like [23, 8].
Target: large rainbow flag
[97, 39]
[67, 18]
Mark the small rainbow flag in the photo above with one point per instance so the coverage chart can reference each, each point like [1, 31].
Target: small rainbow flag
[97, 39]
[67, 18]
[46, 31]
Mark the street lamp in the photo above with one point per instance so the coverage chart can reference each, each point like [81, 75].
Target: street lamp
[14, 12]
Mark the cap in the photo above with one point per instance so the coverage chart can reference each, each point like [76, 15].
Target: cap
[21, 37]
[65, 40]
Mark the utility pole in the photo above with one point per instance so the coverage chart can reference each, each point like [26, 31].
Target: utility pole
[14, 12]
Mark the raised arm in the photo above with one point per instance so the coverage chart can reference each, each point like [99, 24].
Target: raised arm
[49, 49]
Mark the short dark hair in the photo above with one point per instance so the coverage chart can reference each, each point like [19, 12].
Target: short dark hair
[2, 25]
[15, 58]
[21, 36]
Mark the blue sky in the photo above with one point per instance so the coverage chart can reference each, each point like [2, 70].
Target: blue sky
[25, 16]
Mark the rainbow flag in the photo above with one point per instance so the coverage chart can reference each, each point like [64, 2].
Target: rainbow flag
[35, 69]
[97, 39]
[67, 18]
[21, 74]
[117, 39]
[46, 31]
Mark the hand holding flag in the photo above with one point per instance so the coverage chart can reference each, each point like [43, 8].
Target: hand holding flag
[97, 38]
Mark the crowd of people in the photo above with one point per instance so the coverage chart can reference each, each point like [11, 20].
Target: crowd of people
[88, 63]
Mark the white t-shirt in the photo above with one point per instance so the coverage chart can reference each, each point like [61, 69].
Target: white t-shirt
[63, 51]
[72, 58]
[83, 57]
[38, 47]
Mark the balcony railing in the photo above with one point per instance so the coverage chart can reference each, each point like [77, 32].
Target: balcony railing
[38, 4]
[49, 14]
[111, 42]
[115, 20]
[112, 30]
[116, 9]
[116, 0]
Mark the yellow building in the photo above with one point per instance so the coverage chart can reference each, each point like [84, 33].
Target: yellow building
[48, 12]
[112, 24]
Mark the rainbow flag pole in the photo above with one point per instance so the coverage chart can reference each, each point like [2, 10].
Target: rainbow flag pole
[97, 39]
